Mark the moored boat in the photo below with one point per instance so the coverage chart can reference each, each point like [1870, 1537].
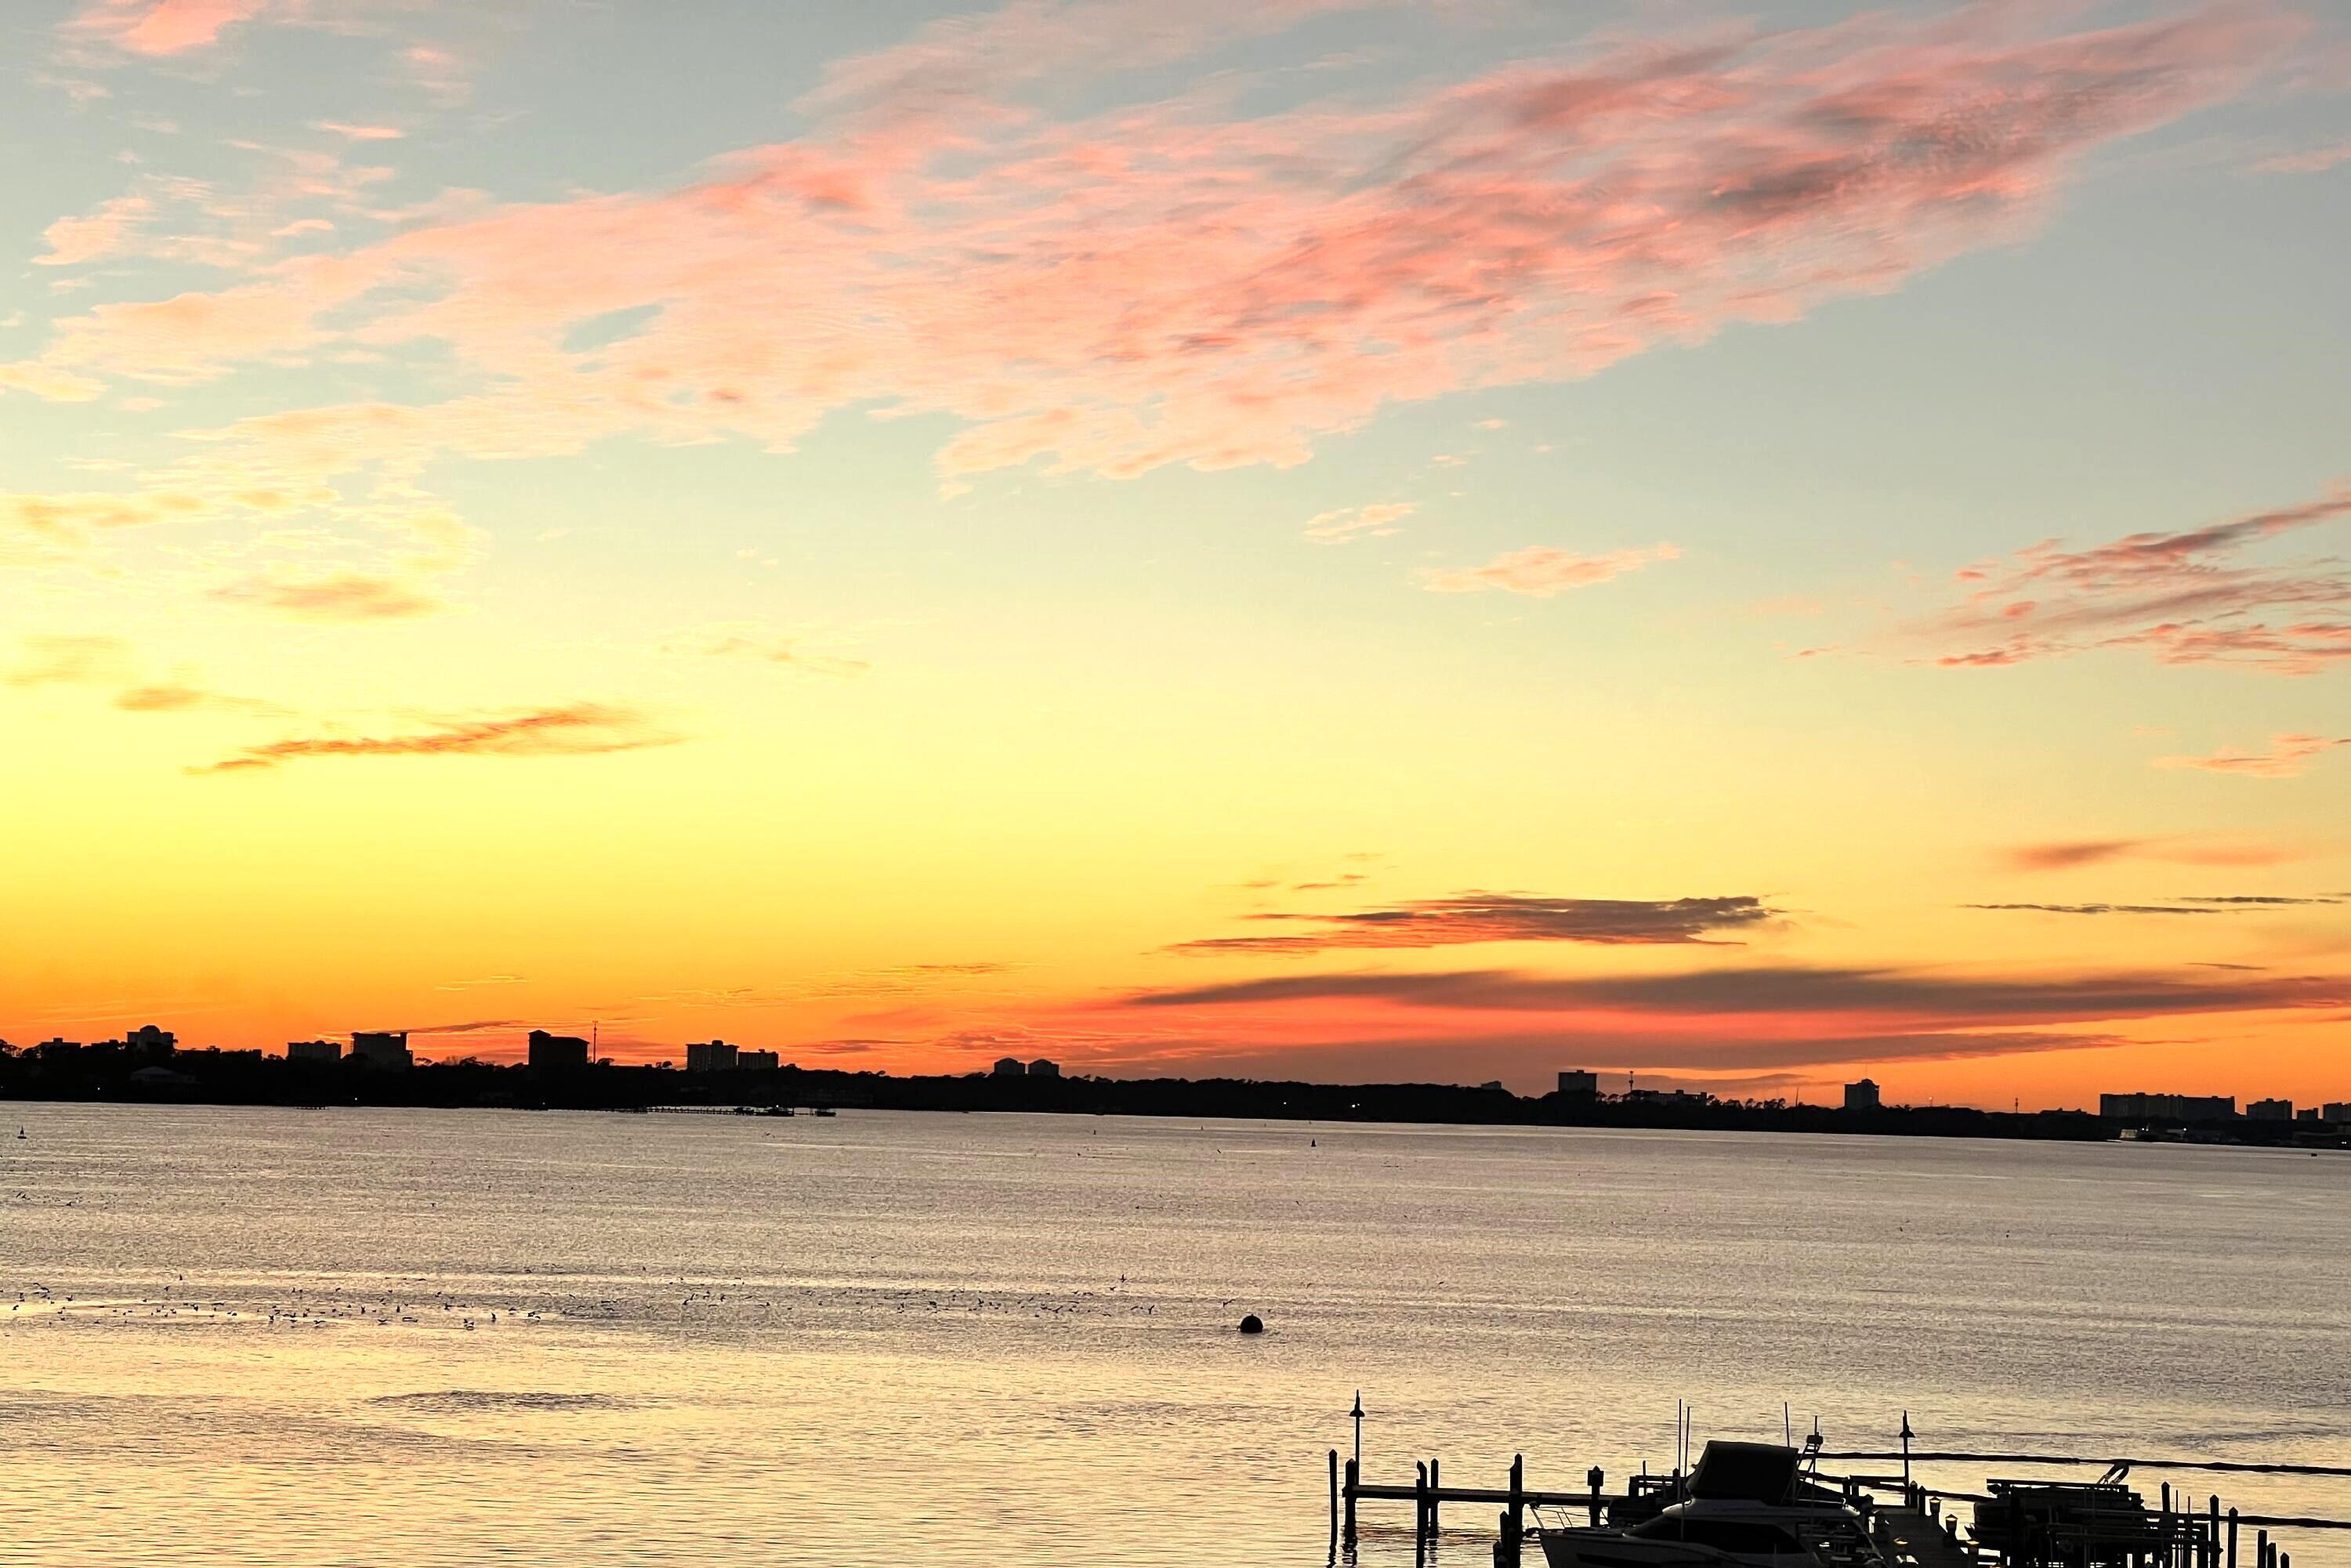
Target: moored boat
[1746, 1505]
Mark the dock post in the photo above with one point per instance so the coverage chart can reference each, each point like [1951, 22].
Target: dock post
[2233, 1538]
[2262, 1548]
[1354, 1478]
[1420, 1505]
[1512, 1528]
[1334, 1499]
[2210, 1556]
[1597, 1477]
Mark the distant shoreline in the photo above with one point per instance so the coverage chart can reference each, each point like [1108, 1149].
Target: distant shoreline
[248, 1077]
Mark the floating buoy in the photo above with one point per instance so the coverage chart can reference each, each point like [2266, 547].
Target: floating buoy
[1252, 1324]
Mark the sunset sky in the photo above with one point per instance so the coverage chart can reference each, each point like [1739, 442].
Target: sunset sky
[1752, 544]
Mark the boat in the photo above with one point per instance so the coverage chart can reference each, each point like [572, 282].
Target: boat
[1745, 1505]
[2098, 1522]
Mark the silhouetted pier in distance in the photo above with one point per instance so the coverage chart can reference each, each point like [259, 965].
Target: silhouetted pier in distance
[2036, 1523]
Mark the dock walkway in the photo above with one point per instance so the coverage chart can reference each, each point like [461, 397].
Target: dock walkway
[1912, 1539]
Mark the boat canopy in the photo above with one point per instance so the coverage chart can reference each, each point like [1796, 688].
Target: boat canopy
[1748, 1472]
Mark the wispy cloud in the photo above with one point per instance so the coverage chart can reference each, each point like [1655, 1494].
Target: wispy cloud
[2243, 905]
[1950, 1000]
[335, 596]
[896, 982]
[2065, 854]
[178, 696]
[70, 660]
[578, 730]
[1377, 519]
[1164, 283]
[1540, 571]
[94, 660]
[2283, 759]
[101, 234]
[766, 646]
[1503, 917]
[2312, 161]
[2184, 598]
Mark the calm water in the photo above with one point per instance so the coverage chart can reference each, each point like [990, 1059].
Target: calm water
[943, 1340]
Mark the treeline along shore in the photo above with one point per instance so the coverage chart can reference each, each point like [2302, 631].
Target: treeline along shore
[115, 1074]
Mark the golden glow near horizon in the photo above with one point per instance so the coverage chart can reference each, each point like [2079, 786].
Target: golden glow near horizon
[1068, 533]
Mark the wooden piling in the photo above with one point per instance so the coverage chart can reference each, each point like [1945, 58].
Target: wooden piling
[2233, 1538]
[1335, 1498]
[1512, 1526]
[1436, 1496]
[1355, 1478]
[1597, 1477]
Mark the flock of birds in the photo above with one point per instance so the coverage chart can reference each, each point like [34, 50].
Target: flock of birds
[723, 1305]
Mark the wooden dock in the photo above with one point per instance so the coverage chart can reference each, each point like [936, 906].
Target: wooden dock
[1910, 1539]
[1906, 1519]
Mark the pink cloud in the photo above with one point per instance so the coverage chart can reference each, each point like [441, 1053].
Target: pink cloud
[1158, 285]
[959, 61]
[2067, 854]
[1351, 522]
[94, 237]
[1540, 571]
[2283, 759]
[2317, 161]
[350, 132]
[336, 596]
[165, 27]
[2186, 597]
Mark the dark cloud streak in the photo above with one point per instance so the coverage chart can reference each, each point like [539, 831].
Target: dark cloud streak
[577, 730]
[1469, 917]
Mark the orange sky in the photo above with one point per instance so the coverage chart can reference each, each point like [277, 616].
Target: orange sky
[1330, 539]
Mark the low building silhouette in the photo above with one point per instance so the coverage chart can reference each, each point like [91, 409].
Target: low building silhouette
[710, 1056]
[557, 1052]
[1009, 1067]
[1862, 1096]
[2168, 1107]
[2271, 1110]
[148, 1038]
[1577, 1084]
[386, 1048]
[1042, 1068]
[313, 1051]
[757, 1060]
[2339, 1112]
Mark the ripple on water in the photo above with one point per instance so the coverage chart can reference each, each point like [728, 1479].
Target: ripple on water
[469, 1401]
